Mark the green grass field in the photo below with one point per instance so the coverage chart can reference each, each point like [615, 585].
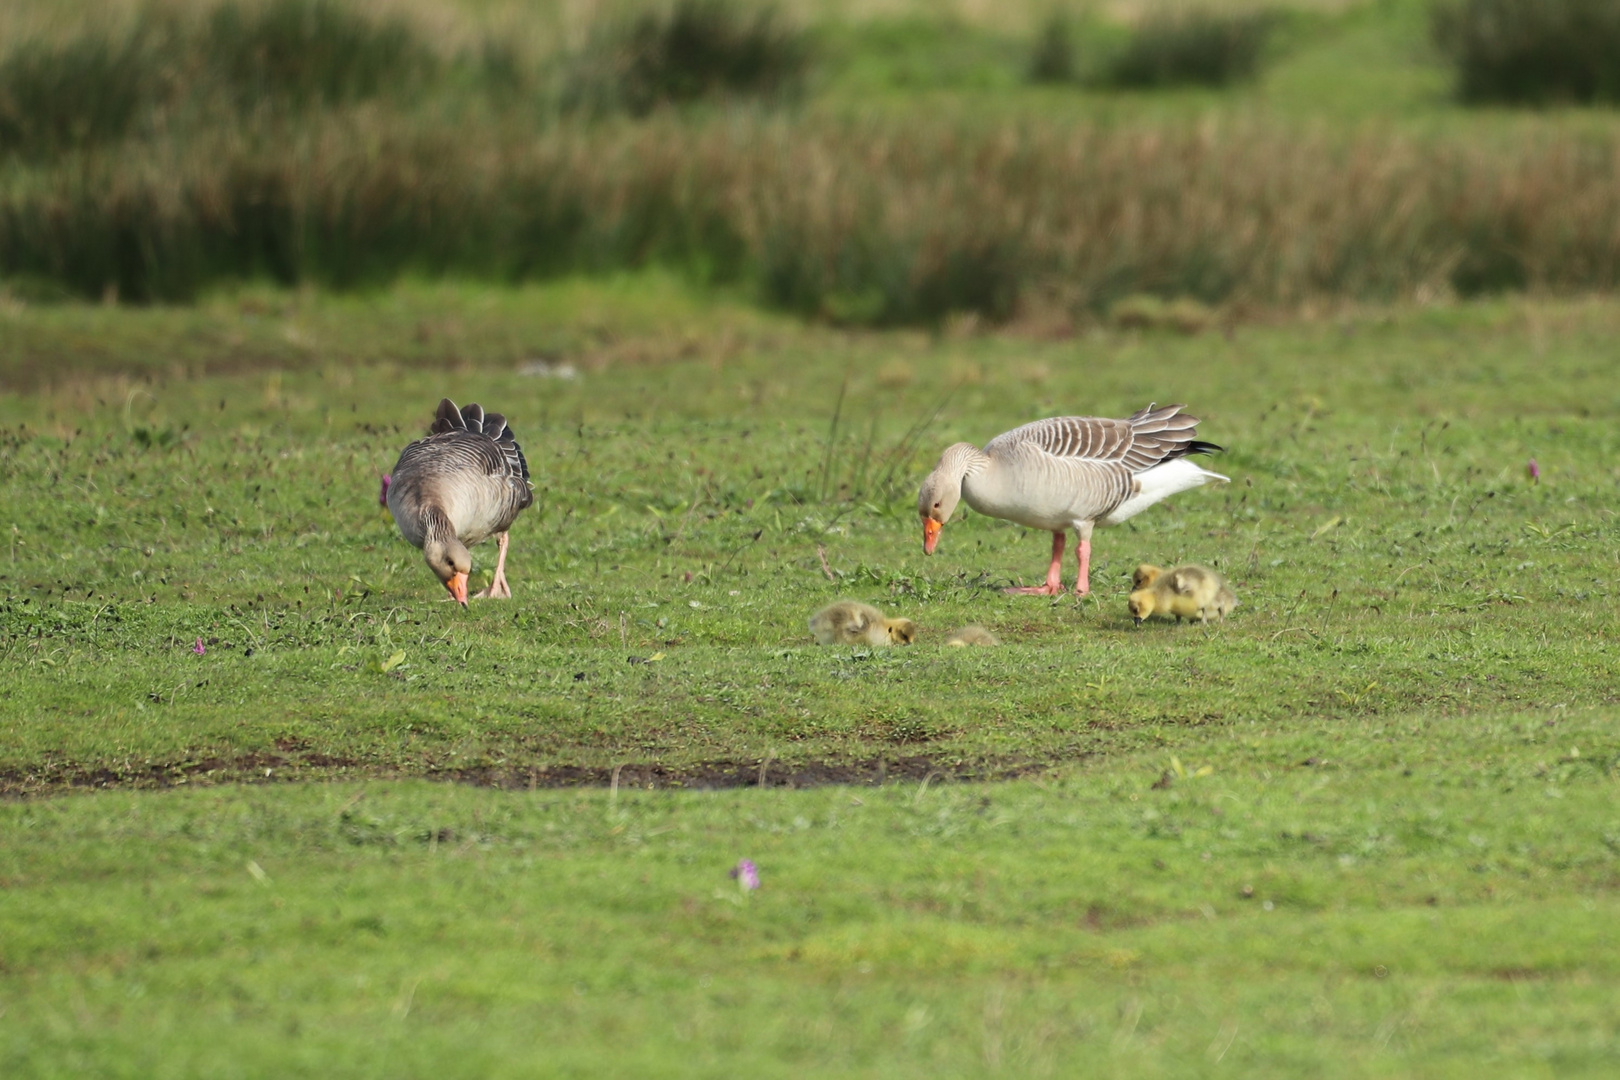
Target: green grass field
[1366, 827]
[271, 806]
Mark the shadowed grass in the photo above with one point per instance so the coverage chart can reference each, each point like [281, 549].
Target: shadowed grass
[1197, 47]
[1531, 52]
[693, 50]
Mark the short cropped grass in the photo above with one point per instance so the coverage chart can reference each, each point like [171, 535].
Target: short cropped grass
[1440, 898]
[1365, 827]
[700, 493]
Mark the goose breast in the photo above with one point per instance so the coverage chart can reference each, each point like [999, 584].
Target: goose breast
[1040, 491]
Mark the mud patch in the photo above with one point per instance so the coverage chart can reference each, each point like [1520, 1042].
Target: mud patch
[714, 775]
[262, 768]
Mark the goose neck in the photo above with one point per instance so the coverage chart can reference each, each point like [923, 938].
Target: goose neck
[965, 459]
[435, 525]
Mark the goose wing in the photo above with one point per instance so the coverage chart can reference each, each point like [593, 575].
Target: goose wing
[1149, 437]
[1050, 473]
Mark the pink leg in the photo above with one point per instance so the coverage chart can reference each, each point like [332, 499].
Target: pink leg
[1083, 585]
[498, 588]
[1054, 574]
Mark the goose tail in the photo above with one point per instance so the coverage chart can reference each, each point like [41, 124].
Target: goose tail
[475, 421]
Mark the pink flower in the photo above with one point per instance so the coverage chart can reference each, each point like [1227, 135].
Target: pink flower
[747, 874]
[200, 649]
[1535, 472]
[382, 496]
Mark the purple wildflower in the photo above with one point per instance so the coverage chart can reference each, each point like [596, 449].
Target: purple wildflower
[747, 874]
[1534, 471]
[200, 649]
[382, 496]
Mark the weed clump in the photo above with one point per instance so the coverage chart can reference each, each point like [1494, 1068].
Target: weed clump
[1531, 52]
[1198, 48]
[1052, 59]
[697, 49]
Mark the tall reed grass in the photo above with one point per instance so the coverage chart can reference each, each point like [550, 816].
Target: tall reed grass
[166, 70]
[861, 222]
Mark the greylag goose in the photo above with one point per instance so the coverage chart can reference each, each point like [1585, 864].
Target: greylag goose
[849, 622]
[1067, 472]
[1187, 592]
[465, 482]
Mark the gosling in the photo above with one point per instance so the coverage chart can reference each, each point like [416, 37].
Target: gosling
[1213, 595]
[1225, 600]
[1187, 592]
[972, 635]
[849, 622]
[1146, 574]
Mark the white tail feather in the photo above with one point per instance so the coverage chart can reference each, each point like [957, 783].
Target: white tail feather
[1159, 483]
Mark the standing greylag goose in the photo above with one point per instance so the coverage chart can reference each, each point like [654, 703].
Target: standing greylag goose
[465, 482]
[1068, 472]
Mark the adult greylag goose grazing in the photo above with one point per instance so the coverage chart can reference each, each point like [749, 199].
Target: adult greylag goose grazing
[465, 482]
[1067, 472]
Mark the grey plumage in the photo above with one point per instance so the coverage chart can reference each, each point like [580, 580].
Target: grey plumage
[465, 482]
[1149, 437]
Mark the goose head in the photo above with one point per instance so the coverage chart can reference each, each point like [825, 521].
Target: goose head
[1141, 604]
[451, 561]
[940, 493]
[1146, 574]
[901, 631]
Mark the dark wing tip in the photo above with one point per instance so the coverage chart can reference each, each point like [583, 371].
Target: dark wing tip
[472, 417]
[1198, 446]
[447, 418]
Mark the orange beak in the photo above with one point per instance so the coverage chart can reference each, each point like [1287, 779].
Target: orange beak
[931, 529]
[458, 588]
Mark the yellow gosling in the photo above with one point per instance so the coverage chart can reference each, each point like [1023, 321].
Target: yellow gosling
[900, 631]
[972, 635]
[1157, 599]
[1144, 576]
[850, 622]
[1185, 592]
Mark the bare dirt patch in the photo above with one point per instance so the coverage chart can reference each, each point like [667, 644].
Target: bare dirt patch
[61, 777]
